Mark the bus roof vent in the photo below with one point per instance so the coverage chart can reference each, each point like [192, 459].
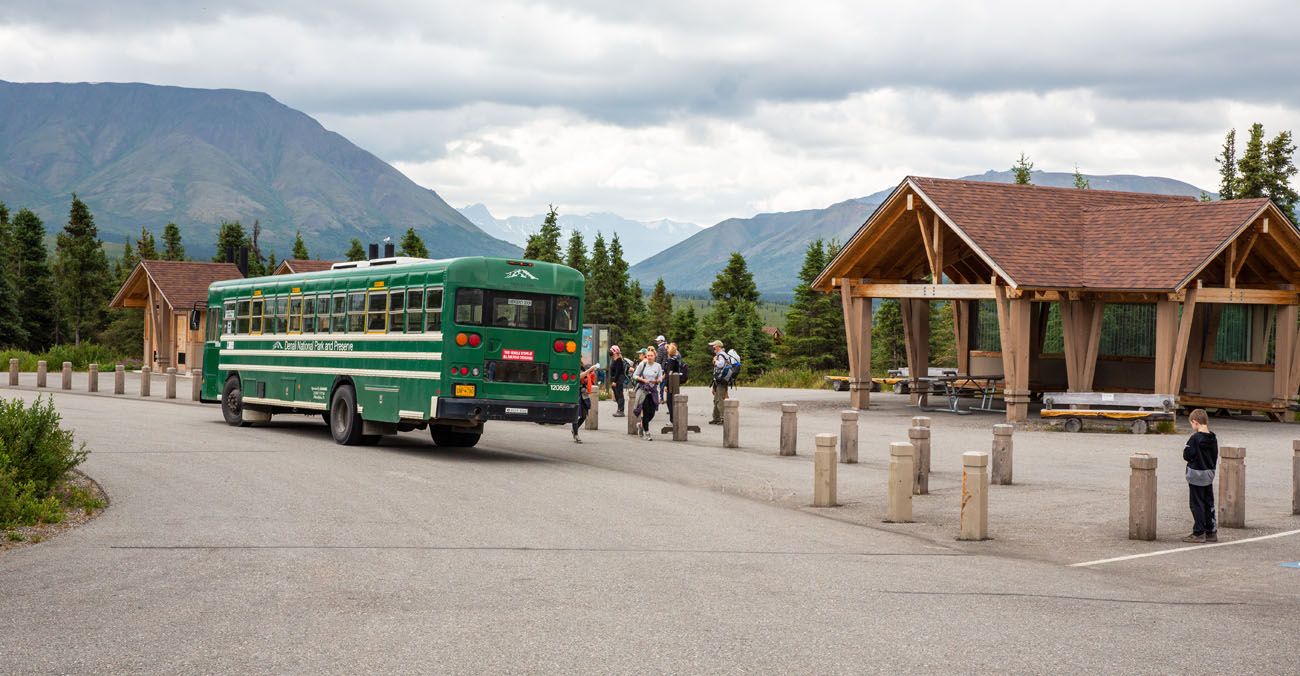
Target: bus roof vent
[396, 260]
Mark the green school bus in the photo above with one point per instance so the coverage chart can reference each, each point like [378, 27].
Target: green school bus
[391, 345]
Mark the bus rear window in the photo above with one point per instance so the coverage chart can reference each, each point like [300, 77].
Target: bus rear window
[520, 310]
[515, 310]
[469, 306]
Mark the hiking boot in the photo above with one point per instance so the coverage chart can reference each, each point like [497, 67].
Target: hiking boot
[1199, 539]
[1212, 537]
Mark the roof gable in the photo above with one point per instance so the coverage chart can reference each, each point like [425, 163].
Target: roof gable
[181, 283]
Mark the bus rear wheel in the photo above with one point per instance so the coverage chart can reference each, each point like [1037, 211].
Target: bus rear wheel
[446, 435]
[232, 403]
[345, 423]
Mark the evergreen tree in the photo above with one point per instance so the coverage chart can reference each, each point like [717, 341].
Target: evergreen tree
[1021, 170]
[1277, 158]
[126, 326]
[576, 256]
[300, 247]
[270, 263]
[1080, 181]
[173, 249]
[230, 234]
[888, 349]
[814, 325]
[412, 245]
[943, 341]
[659, 311]
[1227, 161]
[622, 317]
[146, 245]
[545, 244]
[256, 261]
[33, 268]
[12, 332]
[598, 283]
[685, 327]
[639, 318]
[82, 274]
[734, 320]
[125, 265]
[1252, 168]
[355, 252]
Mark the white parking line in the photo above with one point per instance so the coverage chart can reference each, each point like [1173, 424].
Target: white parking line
[1183, 549]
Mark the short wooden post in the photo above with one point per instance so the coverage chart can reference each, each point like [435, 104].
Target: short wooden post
[680, 416]
[920, 438]
[171, 382]
[1232, 486]
[593, 416]
[13, 373]
[633, 422]
[66, 372]
[974, 496]
[41, 368]
[921, 421]
[145, 376]
[1295, 477]
[196, 384]
[789, 428]
[731, 423]
[1002, 453]
[901, 475]
[92, 378]
[119, 379]
[848, 437]
[824, 471]
[1142, 497]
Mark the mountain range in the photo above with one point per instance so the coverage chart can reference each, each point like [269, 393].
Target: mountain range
[640, 239]
[774, 243]
[141, 154]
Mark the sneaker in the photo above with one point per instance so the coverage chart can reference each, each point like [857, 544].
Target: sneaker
[576, 440]
[619, 414]
[1212, 537]
[1195, 538]
[648, 437]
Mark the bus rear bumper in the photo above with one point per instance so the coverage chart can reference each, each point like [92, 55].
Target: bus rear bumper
[478, 410]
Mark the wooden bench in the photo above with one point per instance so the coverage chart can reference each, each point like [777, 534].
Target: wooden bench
[1115, 409]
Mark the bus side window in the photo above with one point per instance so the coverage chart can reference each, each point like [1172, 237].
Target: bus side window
[414, 308]
[469, 306]
[227, 319]
[377, 312]
[241, 325]
[281, 314]
[308, 314]
[396, 315]
[255, 326]
[340, 323]
[214, 322]
[357, 312]
[433, 301]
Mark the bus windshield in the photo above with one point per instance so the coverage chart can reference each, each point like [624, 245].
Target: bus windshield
[516, 310]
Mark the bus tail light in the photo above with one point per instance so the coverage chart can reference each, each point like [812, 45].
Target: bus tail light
[555, 376]
[570, 347]
[461, 339]
[559, 346]
[475, 339]
[475, 371]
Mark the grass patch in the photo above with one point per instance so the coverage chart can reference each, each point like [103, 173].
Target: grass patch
[81, 356]
[802, 378]
[1165, 427]
[36, 454]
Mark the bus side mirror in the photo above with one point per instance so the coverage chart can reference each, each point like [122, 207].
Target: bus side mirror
[196, 317]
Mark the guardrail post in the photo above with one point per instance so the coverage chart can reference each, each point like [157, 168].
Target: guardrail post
[824, 471]
[680, 416]
[848, 437]
[1002, 454]
[1295, 477]
[901, 475]
[196, 385]
[41, 368]
[593, 416]
[92, 378]
[119, 379]
[171, 382]
[731, 423]
[1232, 486]
[920, 438]
[13, 372]
[789, 428]
[145, 376]
[974, 496]
[66, 381]
[1142, 497]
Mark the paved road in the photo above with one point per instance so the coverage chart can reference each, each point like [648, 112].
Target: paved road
[273, 549]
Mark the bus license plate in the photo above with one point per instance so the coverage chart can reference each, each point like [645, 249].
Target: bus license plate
[464, 390]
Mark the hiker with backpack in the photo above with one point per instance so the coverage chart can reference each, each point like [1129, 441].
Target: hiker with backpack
[617, 374]
[674, 364]
[648, 375]
[726, 366]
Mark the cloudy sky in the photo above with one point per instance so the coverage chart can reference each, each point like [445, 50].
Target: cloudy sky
[702, 111]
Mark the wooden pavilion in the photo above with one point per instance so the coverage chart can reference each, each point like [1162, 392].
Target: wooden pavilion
[1205, 290]
[167, 291]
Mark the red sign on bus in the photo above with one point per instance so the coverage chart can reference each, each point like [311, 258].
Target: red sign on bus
[517, 355]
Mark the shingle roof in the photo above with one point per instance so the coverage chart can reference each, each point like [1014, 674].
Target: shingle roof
[297, 265]
[185, 283]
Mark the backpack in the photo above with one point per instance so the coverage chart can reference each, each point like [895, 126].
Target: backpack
[733, 367]
[682, 371]
[627, 371]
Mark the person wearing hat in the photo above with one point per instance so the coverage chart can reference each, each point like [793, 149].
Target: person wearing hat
[617, 374]
[661, 358]
[719, 384]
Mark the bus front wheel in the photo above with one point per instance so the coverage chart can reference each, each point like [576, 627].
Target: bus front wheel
[232, 403]
[345, 423]
[446, 435]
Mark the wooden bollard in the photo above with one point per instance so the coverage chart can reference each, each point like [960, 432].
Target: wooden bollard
[66, 381]
[789, 428]
[633, 422]
[1295, 477]
[974, 496]
[593, 416]
[920, 421]
[1002, 453]
[119, 379]
[920, 438]
[731, 423]
[824, 471]
[92, 378]
[848, 437]
[1232, 486]
[171, 383]
[145, 381]
[41, 368]
[1142, 497]
[901, 475]
[196, 385]
[680, 416]
[13, 373]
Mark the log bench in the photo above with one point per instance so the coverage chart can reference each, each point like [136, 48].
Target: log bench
[1110, 409]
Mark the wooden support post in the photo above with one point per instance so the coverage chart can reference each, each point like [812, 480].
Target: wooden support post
[961, 332]
[66, 382]
[920, 440]
[789, 428]
[1017, 390]
[824, 471]
[1142, 497]
[1182, 342]
[171, 383]
[1259, 316]
[974, 496]
[1002, 454]
[145, 380]
[1295, 476]
[901, 475]
[593, 416]
[92, 378]
[13, 372]
[857, 333]
[849, 437]
[41, 368]
[1232, 486]
[119, 379]
[1166, 340]
[1195, 351]
[731, 423]
[1284, 347]
[680, 416]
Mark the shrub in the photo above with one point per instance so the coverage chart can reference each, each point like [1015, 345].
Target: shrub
[35, 454]
[81, 356]
[792, 377]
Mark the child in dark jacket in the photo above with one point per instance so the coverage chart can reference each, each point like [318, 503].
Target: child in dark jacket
[1202, 456]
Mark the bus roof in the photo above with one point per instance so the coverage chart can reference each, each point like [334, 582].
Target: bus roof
[472, 270]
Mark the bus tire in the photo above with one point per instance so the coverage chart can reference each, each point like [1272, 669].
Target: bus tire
[232, 403]
[345, 423]
[445, 435]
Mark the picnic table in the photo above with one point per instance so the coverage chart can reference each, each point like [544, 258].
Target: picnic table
[957, 386]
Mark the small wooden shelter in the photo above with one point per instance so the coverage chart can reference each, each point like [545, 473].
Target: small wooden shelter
[1197, 298]
[167, 291]
[291, 266]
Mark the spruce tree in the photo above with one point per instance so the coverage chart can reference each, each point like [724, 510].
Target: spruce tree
[545, 244]
[943, 342]
[173, 249]
[685, 326]
[1081, 182]
[1252, 168]
[622, 315]
[125, 265]
[270, 263]
[814, 325]
[12, 333]
[355, 252]
[598, 283]
[734, 319]
[888, 349]
[1277, 158]
[33, 268]
[300, 247]
[126, 326]
[412, 245]
[1021, 170]
[576, 255]
[1227, 161]
[659, 311]
[146, 245]
[82, 274]
[230, 234]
